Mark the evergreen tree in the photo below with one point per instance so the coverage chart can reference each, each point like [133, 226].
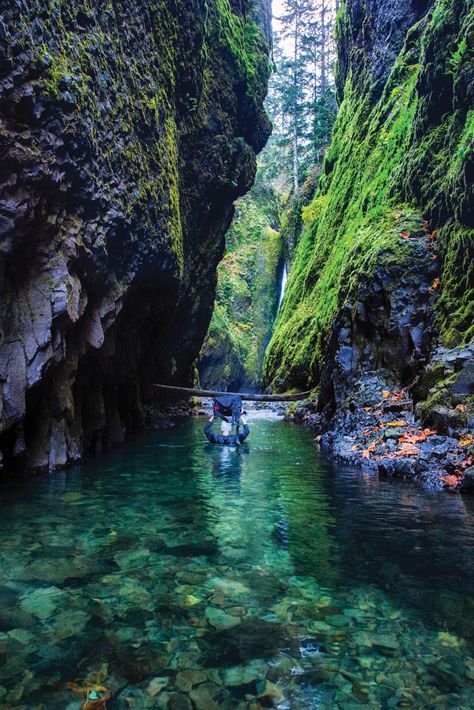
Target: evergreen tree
[301, 99]
[319, 55]
[293, 82]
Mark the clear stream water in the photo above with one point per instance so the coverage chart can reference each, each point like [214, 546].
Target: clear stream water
[180, 575]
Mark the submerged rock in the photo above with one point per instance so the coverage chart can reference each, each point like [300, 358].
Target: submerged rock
[246, 674]
[219, 620]
[250, 639]
[386, 644]
[43, 603]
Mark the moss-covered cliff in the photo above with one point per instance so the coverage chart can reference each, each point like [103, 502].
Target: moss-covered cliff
[128, 131]
[247, 295]
[384, 269]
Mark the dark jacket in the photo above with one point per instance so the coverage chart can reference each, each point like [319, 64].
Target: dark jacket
[230, 440]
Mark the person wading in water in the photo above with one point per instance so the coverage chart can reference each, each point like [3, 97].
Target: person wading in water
[226, 437]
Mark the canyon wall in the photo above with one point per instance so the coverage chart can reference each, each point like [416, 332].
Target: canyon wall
[380, 294]
[247, 295]
[128, 129]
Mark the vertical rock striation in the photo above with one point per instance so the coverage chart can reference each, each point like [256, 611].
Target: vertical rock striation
[128, 129]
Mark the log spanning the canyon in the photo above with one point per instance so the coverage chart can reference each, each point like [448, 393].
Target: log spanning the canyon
[248, 397]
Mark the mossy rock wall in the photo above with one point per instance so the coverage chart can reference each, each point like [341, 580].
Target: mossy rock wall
[128, 131]
[247, 296]
[396, 190]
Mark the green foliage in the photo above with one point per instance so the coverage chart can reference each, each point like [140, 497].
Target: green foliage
[247, 291]
[385, 171]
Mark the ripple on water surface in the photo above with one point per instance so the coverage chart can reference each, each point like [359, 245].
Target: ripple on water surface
[177, 574]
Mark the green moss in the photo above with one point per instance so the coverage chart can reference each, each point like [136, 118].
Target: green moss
[350, 223]
[247, 291]
[246, 44]
[385, 172]
[108, 89]
[127, 88]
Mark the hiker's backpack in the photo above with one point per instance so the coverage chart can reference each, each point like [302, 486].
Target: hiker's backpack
[229, 405]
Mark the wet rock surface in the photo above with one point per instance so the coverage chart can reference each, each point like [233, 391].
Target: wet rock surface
[382, 294]
[128, 133]
[379, 365]
[386, 437]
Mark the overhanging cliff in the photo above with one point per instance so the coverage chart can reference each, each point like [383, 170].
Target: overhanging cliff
[128, 130]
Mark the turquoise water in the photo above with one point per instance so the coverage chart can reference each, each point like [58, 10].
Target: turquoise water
[178, 575]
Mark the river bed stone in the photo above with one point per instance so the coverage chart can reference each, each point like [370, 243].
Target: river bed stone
[344, 612]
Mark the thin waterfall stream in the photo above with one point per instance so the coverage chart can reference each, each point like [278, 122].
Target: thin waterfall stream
[284, 280]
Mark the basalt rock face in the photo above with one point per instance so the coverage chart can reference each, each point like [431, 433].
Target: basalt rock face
[128, 130]
[380, 296]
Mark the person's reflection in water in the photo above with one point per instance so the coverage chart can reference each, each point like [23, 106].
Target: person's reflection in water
[227, 464]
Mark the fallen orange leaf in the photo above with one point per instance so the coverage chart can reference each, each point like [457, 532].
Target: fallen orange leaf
[465, 440]
[450, 480]
[406, 235]
[366, 453]
[385, 394]
[416, 437]
[396, 423]
[436, 283]
[461, 407]
[397, 395]
[408, 449]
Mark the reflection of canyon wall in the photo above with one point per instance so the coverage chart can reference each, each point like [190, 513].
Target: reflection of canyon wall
[420, 521]
[128, 132]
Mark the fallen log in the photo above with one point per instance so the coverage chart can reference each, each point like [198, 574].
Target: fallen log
[248, 397]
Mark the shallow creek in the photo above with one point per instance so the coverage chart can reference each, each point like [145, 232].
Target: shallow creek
[179, 575]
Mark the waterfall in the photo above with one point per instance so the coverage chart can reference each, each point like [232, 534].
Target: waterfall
[284, 279]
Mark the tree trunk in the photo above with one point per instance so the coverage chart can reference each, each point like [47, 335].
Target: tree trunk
[296, 182]
[323, 48]
[248, 397]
